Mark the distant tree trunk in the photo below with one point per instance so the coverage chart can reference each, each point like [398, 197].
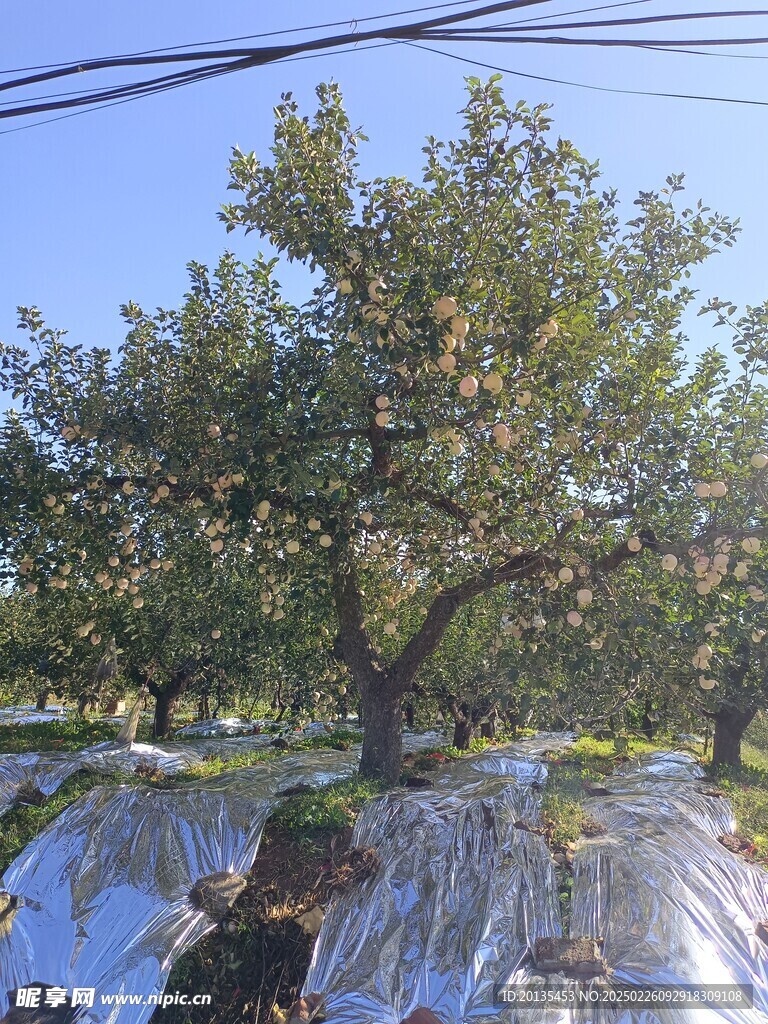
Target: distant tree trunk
[648, 727]
[730, 726]
[488, 727]
[203, 708]
[463, 723]
[463, 730]
[219, 697]
[410, 714]
[42, 700]
[88, 703]
[281, 713]
[166, 701]
[469, 717]
[512, 720]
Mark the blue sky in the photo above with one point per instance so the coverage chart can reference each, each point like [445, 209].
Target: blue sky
[109, 206]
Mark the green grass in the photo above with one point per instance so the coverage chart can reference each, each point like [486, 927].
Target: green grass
[564, 793]
[340, 739]
[754, 757]
[757, 733]
[216, 765]
[307, 817]
[64, 735]
[747, 789]
[591, 758]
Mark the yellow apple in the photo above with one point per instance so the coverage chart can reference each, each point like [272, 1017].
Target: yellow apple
[468, 386]
[444, 307]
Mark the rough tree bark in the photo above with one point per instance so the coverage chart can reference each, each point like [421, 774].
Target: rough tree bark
[731, 722]
[730, 726]
[166, 701]
[379, 696]
[466, 719]
[463, 729]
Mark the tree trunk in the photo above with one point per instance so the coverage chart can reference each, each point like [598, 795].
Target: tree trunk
[165, 706]
[730, 726]
[488, 728]
[382, 689]
[512, 721]
[382, 738]
[42, 700]
[410, 714]
[462, 732]
[648, 727]
[166, 702]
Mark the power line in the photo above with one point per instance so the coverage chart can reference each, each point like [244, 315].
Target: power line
[327, 24]
[285, 60]
[651, 19]
[263, 35]
[709, 53]
[446, 27]
[584, 85]
[240, 59]
[466, 37]
[156, 57]
[169, 88]
[583, 10]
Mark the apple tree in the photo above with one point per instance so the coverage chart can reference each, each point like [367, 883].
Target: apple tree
[484, 389]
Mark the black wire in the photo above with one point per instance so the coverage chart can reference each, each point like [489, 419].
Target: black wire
[262, 35]
[285, 60]
[466, 37]
[435, 29]
[583, 10]
[178, 85]
[709, 53]
[651, 19]
[101, 63]
[583, 85]
[247, 58]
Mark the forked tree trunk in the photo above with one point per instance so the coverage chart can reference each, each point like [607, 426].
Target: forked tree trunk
[382, 689]
[730, 726]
